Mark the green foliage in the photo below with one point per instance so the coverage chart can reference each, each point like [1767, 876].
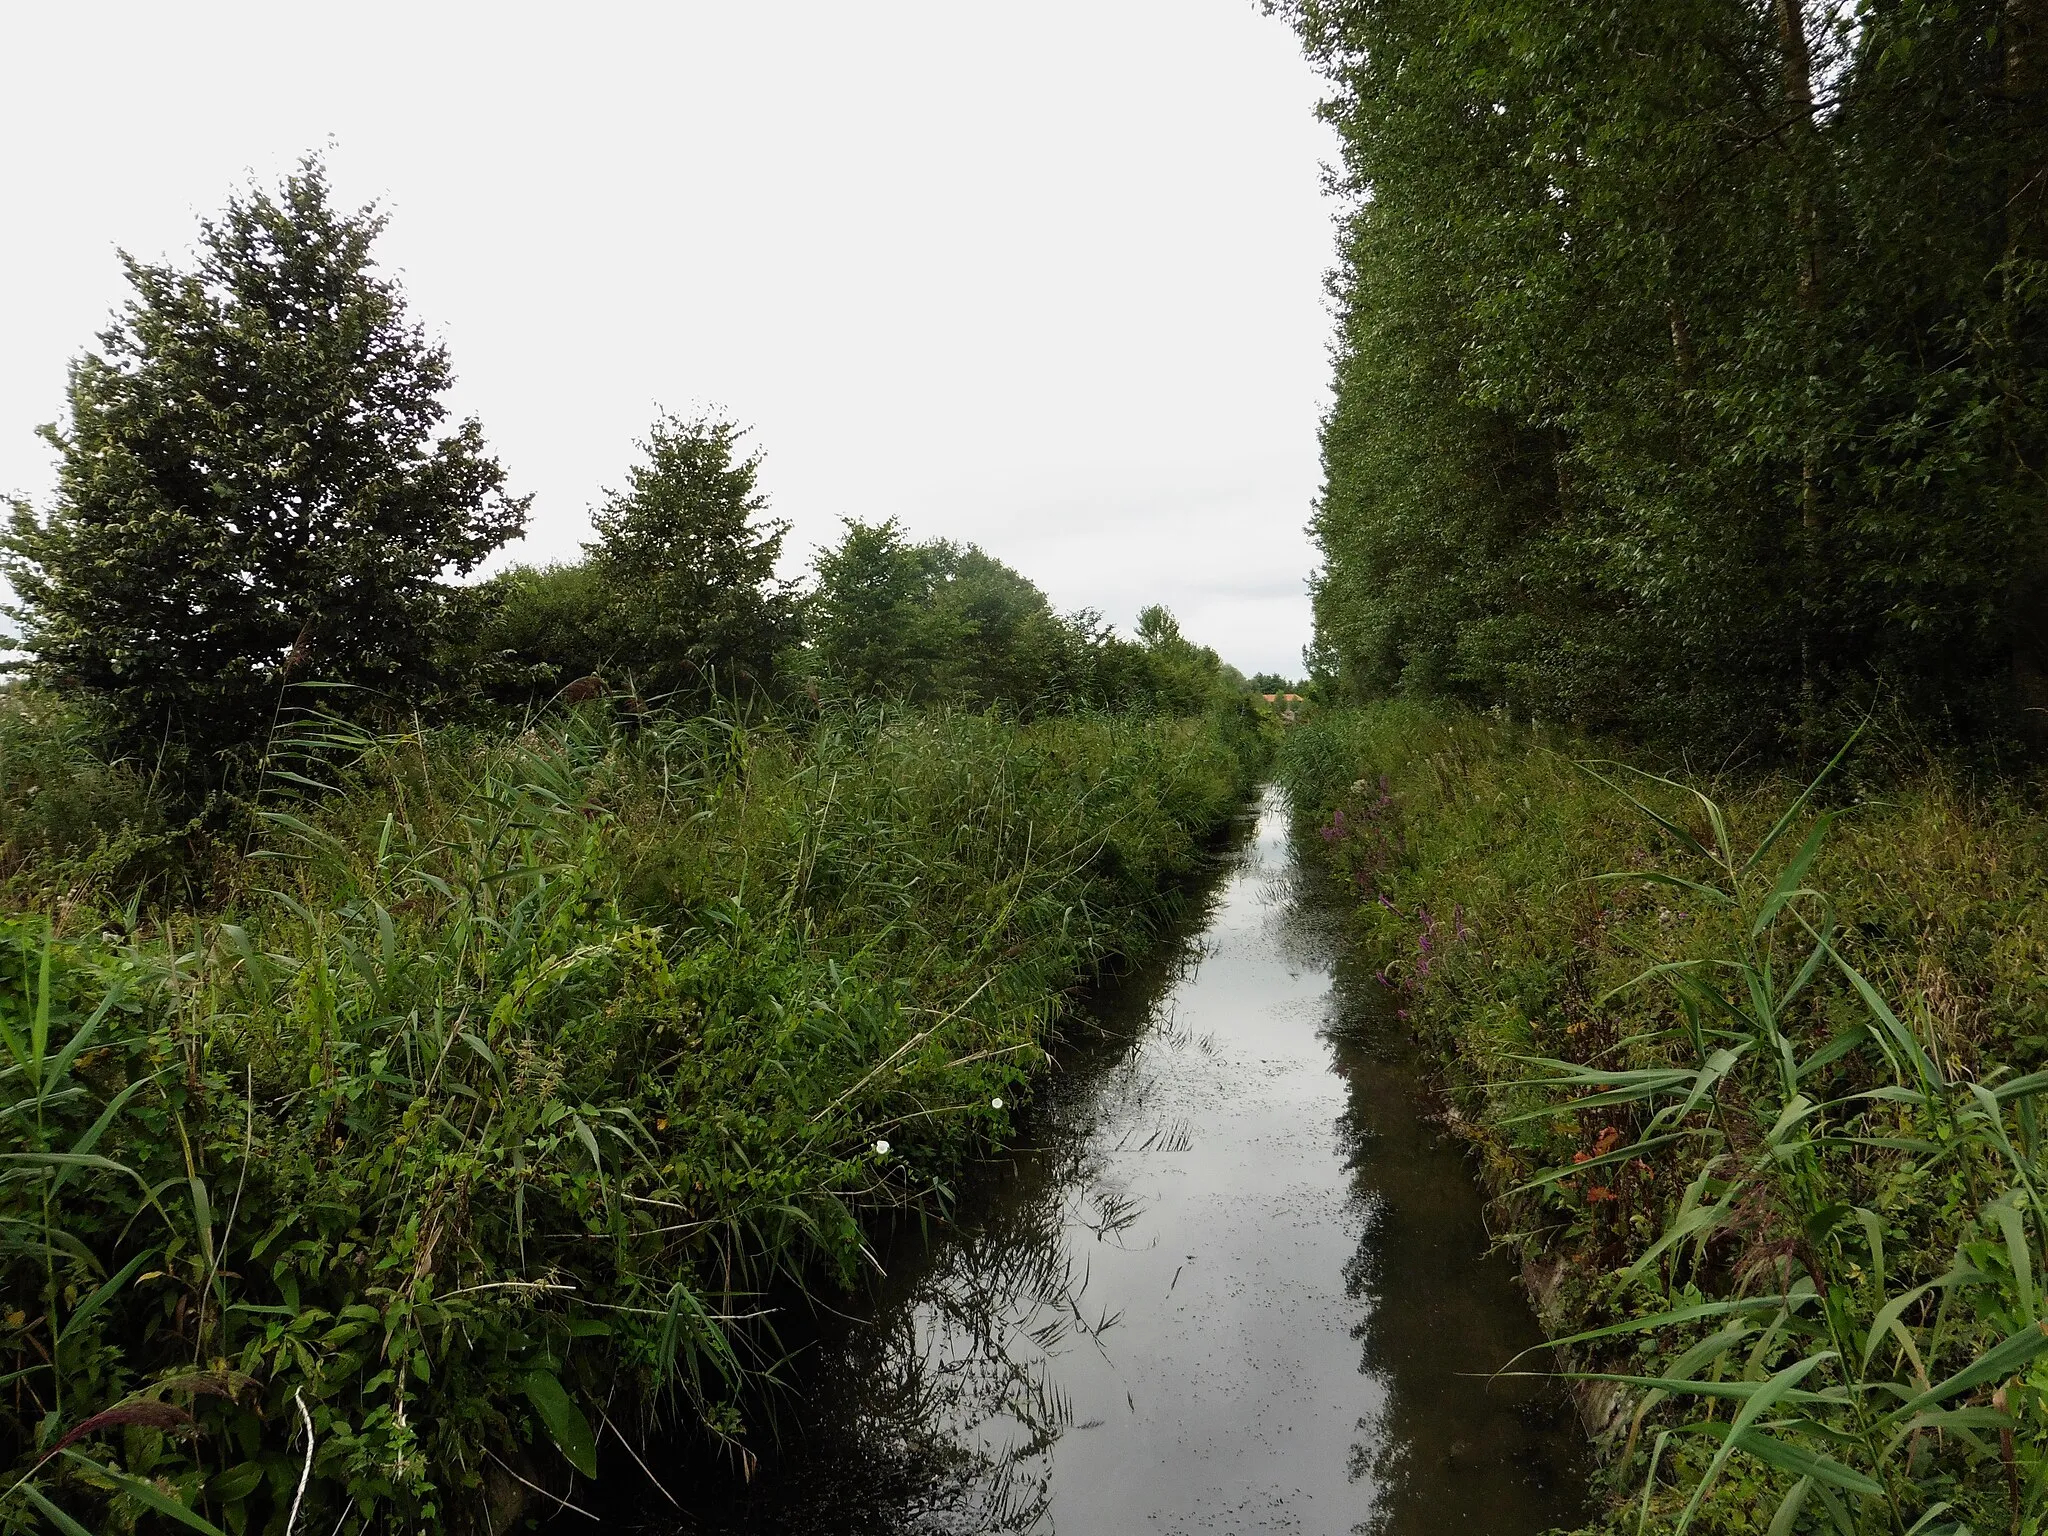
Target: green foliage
[685, 571]
[1753, 1073]
[677, 595]
[536, 628]
[523, 1084]
[1690, 367]
[939, 622]
[1886, 1396]
[71, 820]
[869, 620]
[253, 488]
[1180, 675]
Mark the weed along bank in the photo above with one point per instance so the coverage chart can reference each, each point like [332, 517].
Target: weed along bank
[1749, 1069]
[1324, 812]
[1230, 1277]
[499, 1121]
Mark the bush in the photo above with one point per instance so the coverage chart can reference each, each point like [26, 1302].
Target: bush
[1754, 1077]
[522, 1075]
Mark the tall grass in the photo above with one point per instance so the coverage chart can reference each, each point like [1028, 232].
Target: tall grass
[1777, 1173]
[74, 826]
[522, 1085]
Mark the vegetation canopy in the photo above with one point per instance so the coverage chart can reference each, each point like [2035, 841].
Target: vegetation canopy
[408, 1087]
[1691, 362]
[254, 490]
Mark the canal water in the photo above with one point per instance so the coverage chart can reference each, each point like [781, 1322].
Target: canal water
[1236, 1283]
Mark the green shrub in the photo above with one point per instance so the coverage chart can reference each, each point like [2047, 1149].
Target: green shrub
[525, 1080]
[76, 823]
[1735, 1108]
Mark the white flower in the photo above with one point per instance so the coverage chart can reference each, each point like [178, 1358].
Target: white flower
[882, 1148]
[995, 1103]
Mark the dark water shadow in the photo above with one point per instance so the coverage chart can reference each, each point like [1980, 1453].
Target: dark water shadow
[1236, 1282]
[1459, 1446]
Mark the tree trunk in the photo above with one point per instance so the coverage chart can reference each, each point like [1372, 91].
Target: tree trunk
[1796, 81]
[2025, 28]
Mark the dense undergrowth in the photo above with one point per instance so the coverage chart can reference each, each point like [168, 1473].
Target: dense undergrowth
[497, 1102]
[1755, 1080]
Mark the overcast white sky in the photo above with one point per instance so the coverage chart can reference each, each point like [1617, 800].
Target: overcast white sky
[1045, 277]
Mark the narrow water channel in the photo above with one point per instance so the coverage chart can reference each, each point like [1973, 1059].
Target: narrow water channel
[1236, 1284]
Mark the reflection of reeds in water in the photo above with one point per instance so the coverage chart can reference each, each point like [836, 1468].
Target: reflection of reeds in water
[1177, 1136]
[1113, 1213]
[957, 1382]
[944, 1415]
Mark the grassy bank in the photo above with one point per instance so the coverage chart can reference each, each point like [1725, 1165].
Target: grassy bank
[492, 1104]
[1752, 1077]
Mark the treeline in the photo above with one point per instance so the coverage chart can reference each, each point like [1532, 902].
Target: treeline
[262, 507]
[677, 597]
[1690, 373]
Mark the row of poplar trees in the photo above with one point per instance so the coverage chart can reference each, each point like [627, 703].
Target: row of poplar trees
[1690, 377]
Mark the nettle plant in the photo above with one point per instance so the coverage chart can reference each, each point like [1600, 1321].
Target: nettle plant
[1809, 1359]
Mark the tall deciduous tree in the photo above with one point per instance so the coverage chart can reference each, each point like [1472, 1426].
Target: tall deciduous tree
[255, 487]
[684, 565]
[871, 621]
[944, 623]
[1693, 359]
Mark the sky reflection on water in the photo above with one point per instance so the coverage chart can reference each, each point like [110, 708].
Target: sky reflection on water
[1237, 1285]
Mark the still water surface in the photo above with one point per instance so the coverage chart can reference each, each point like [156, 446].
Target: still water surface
[1237, 1284]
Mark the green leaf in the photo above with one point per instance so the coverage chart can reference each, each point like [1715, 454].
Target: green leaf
[1788, 1511]
[103, 1295]
[85, 1143]
[1763, 1395]
[1788, 1457]
[153, 1497]
[1620, 1155]
[237, 1483]
[589, 1143]
[564, 1421]
[1789, 887]
[1888, 1315]
[2000, 1360]
[1792, 811]
[52, 1513]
